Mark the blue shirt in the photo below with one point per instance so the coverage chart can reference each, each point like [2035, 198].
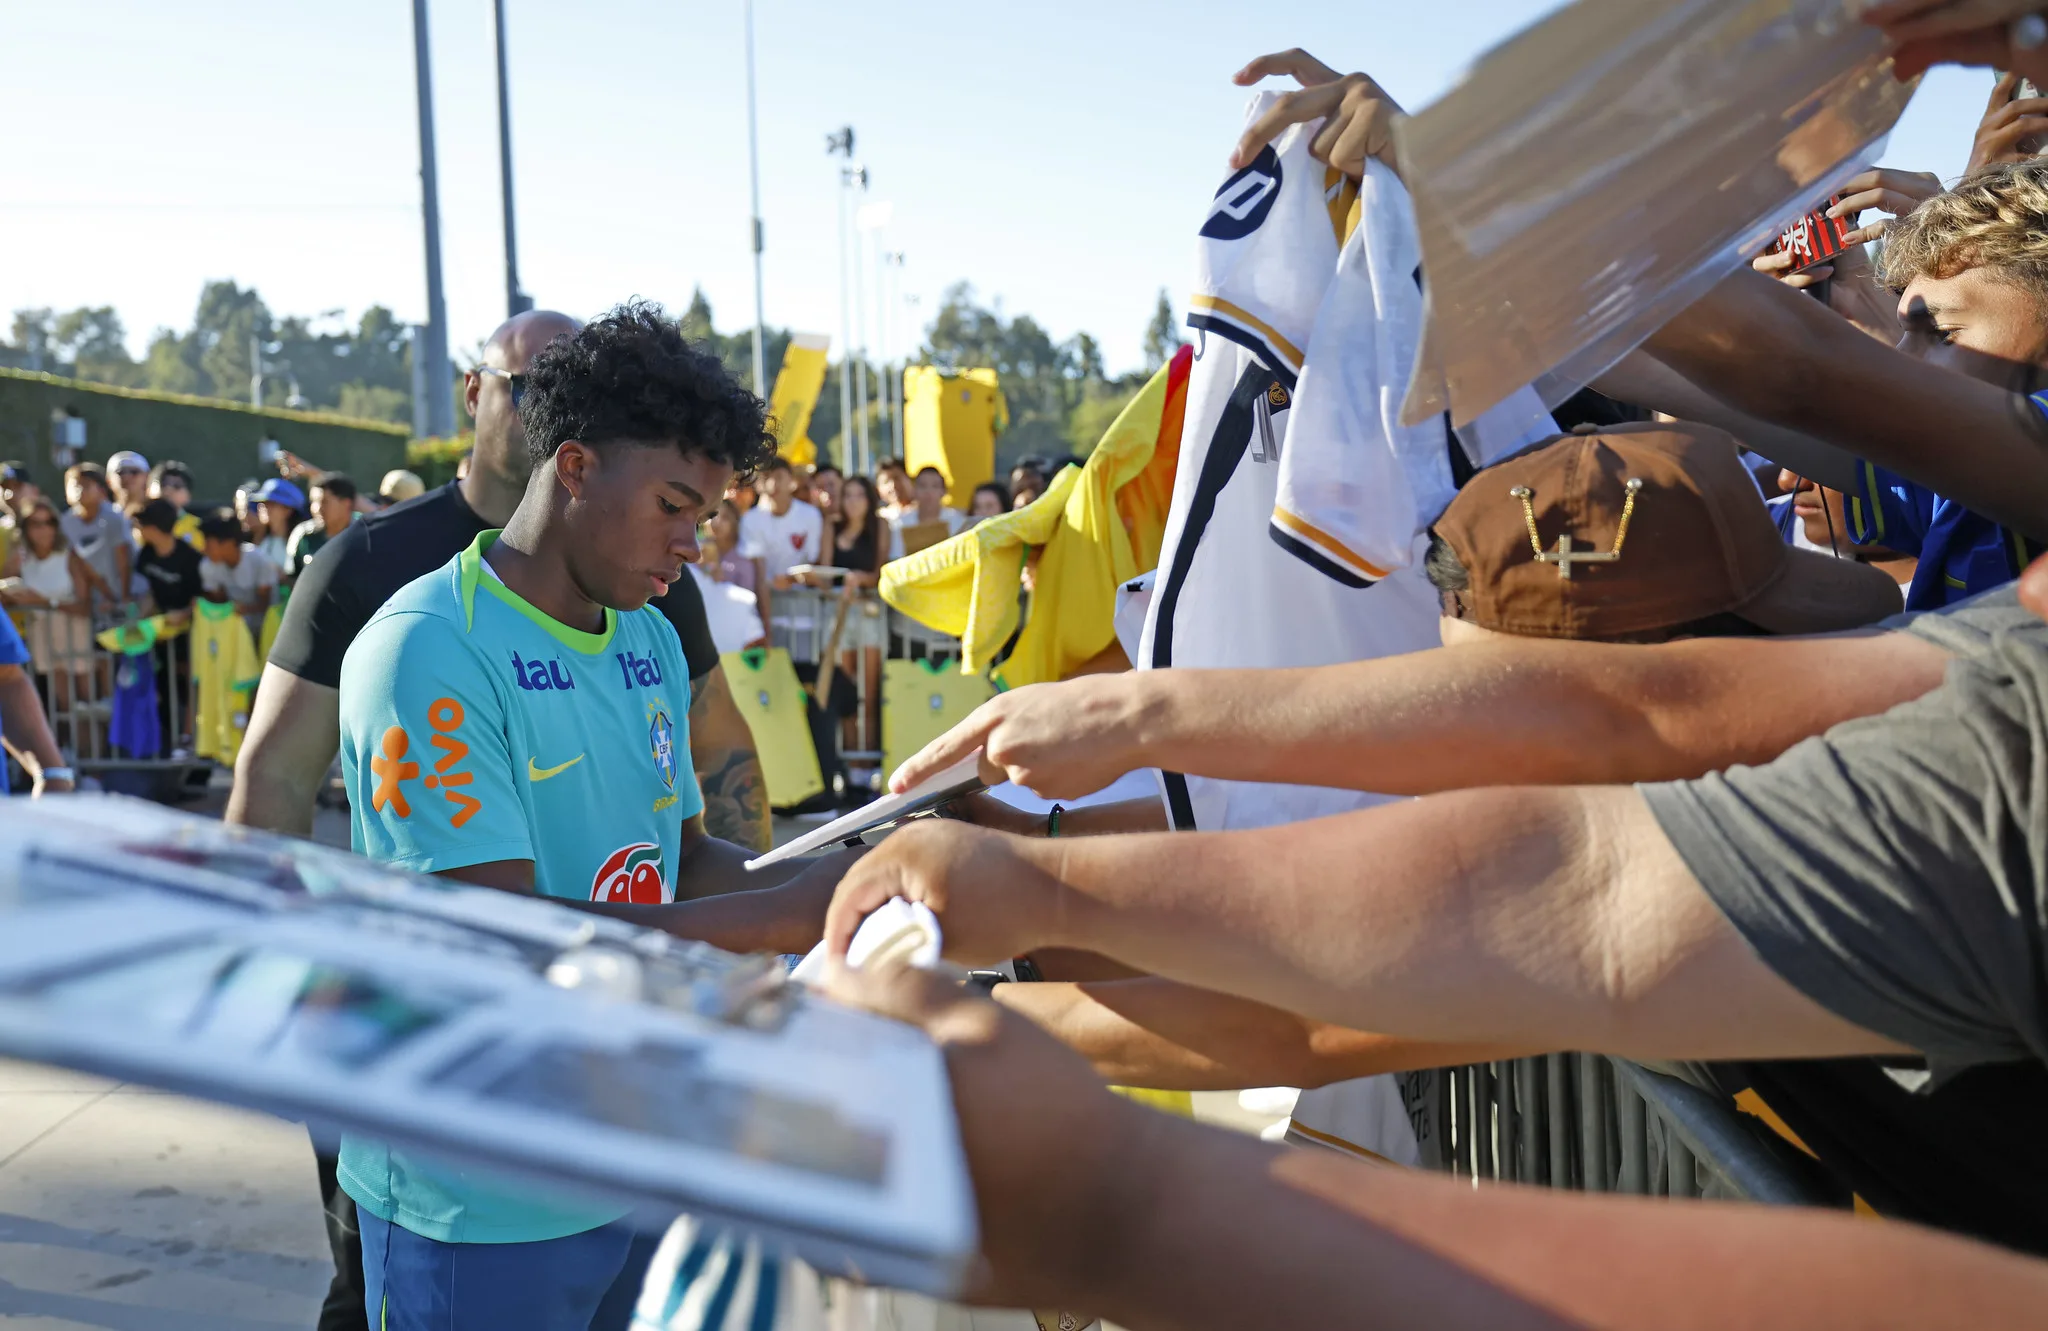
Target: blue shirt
[1961, 553]
[13, 651]
[476, 728]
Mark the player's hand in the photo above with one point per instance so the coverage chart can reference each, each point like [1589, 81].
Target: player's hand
[992, 900]
[1059, 741]
[1057, 1161]
[1357, 114]
[1926, 33]
[2013, 129]
[989, 812]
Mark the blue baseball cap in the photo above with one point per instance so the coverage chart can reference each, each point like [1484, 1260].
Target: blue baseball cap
[278, 490]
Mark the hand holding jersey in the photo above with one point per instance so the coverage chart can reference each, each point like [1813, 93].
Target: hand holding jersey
[1358, 118]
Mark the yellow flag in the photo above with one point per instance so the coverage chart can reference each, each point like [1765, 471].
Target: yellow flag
[797, 385]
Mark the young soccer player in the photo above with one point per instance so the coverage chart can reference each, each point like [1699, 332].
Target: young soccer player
[517, 718]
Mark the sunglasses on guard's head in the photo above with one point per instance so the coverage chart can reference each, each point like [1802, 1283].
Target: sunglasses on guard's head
[515, 382]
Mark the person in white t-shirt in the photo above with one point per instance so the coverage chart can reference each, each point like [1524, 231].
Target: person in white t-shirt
[928, 493]
[236, 569]
[782, 528]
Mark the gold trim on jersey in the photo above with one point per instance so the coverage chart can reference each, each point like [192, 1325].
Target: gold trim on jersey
[1308, 531]
[1217, 305]
[1340, 197]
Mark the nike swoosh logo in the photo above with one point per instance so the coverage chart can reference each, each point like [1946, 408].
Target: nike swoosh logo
[535, 772]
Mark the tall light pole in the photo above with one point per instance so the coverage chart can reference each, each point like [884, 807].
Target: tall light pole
[840, 143]
[754, 185]
[892, 267]
[516, 301]
[440, 413]
[858, 176]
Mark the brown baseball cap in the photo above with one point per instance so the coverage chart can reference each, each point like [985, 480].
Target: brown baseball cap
[1639, 528]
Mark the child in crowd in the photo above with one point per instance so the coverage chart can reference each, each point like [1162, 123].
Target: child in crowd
[172, 482]
[724, 558]
[333, 501]
[894, 483]
[99, 532]
[990, 500]
[170, 567]
[280, 508]
[927, 521]
[235, 570]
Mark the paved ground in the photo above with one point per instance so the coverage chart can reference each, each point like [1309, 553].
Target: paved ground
[132, 1210]
[128, 1209]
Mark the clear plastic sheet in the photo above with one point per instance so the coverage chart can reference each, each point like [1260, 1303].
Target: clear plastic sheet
[1598, 172]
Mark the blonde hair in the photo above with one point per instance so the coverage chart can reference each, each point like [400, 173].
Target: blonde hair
[1995, 217]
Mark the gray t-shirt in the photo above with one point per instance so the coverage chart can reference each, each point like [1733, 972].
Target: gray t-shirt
[1966, 627]
[1895, 869]
[98, 541]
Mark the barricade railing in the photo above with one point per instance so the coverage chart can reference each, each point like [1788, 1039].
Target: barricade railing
[93, 698]
[856, 630]
[1590, 1123]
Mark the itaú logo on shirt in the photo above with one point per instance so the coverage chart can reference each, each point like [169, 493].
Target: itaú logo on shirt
[638, 671]
[630, 875]
[537, 676]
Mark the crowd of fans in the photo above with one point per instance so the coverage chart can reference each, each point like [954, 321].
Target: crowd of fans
[130, 544]
[1743, 779]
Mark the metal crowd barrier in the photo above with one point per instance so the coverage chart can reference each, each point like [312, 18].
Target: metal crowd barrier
[1589, 1123]
[77, 679]
[808, 621]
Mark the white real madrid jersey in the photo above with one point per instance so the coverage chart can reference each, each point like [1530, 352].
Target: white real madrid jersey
[1225, 594]
[1357, 488]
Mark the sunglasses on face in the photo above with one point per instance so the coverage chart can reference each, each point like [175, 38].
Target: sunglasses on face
[39, 522]
[515, 382]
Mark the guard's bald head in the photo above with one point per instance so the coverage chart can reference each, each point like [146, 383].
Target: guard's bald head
[517, 340]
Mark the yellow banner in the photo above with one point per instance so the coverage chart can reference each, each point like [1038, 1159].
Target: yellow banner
[797, 385]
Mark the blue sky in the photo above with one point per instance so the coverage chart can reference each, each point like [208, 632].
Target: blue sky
[1057, 161]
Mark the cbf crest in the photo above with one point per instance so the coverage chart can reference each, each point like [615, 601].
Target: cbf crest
[661, 742]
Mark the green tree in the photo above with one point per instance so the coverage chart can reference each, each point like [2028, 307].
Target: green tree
[170, 366]
[1045, 381]
[1162, 335]
[95, 343]
[29, 340]
[227, 319]
[371, 402]
[736, 350]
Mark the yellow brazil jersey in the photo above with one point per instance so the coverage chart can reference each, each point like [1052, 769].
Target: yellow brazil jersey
[224, 671]
[186, 529]
[922, 700]
[1097, 527]
[273, 620]
[765, 689]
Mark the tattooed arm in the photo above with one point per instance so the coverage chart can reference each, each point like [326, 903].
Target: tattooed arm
[728, 770]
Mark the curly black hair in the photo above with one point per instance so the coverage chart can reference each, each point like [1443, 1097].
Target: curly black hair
[631, 376]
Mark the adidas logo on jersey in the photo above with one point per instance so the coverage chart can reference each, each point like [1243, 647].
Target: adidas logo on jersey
[1245, 199]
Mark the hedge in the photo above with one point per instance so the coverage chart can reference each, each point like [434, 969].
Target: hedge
[216, 438]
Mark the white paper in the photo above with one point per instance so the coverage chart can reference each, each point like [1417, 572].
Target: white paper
[961, 778]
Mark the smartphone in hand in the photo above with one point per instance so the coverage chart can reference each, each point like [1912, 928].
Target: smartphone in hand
[1815, 238]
